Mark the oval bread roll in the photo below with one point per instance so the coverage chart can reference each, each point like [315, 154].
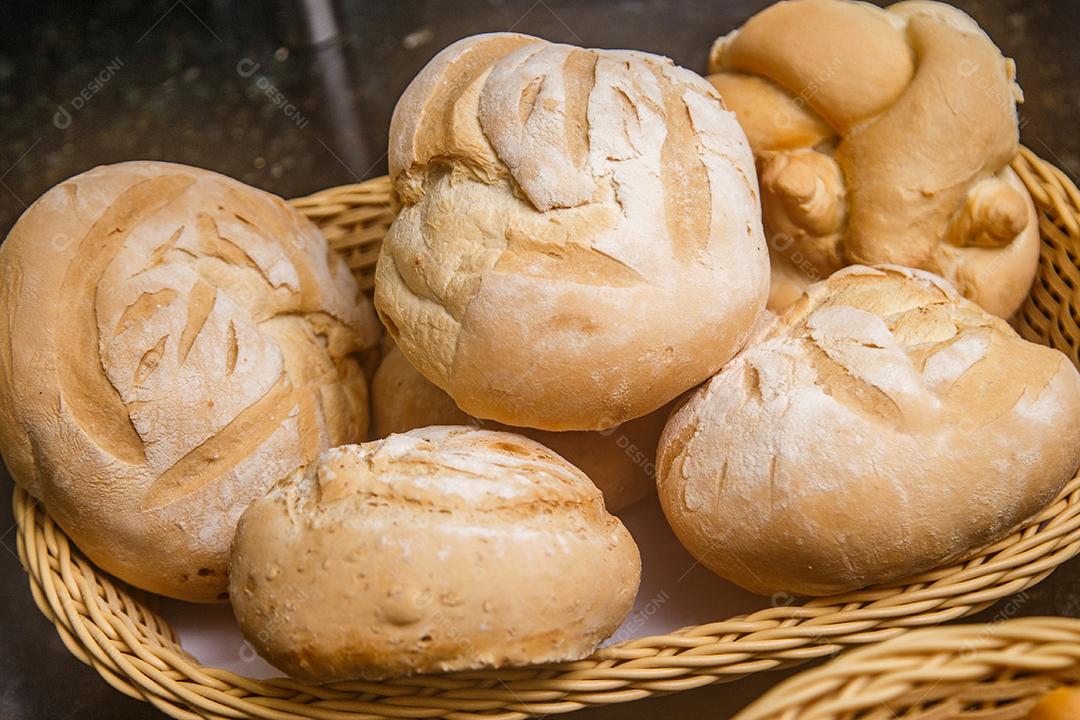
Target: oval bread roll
[1061, 704]
[579, 239]
[446, 548]
[620, 461]
[174, 342]
[882, 427]
[883, 136]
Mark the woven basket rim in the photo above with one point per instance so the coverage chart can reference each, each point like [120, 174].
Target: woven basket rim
[1022, 658]
[109, 625]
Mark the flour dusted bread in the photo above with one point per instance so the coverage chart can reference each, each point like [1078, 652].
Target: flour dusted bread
[173, 343]
[882, 136]
[882, 427]
[621, 461]
[445, 548]
[579, 238]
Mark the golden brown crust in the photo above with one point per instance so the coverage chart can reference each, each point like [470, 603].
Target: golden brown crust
[446, 548]
[771, 117]
[177, 342]
[848, 61]
[920, 108]
[620, 461]
[569, 219]
[882, 427]
[1061, 704]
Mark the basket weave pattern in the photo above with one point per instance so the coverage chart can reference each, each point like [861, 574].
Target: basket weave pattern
[111, 627]
[960, 672]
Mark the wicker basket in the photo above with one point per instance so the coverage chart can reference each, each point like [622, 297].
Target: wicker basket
[110, 626]
[995, 671]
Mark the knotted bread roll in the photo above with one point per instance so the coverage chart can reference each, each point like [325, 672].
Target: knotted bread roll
[174, 342]
[579, 239]
[620, 461]
[882, 136]
[443, 549]
[884, 426]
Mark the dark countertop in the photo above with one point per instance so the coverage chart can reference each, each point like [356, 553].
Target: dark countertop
[216, 84]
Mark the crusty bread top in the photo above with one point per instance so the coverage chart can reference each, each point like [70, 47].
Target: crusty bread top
[884, 136]
[881, 427]
[451, 468]
[569, 219]
[175, 342]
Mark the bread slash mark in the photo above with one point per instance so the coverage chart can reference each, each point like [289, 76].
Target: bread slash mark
[200, 303]
[94, 402]
[579, 77]
[221, 453]
[150, 361]
[146, 305]
[232, 351]
[685, 180]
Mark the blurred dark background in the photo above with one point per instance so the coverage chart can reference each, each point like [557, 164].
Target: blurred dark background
[278, 97]
[296, 96]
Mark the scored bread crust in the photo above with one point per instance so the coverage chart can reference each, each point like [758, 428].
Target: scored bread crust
[883, 136]
[442, 549]
[882, 427]
[579, 238]
[173, 343]
[621, 461]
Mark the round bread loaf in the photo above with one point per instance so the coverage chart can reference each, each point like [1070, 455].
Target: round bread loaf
[884, 426]
[621, 461]
[173, 342]
[882, 136]
[579, 238]
[446, 548]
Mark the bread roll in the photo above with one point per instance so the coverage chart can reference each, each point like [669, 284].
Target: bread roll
[883, 427]
[882, 136]
[620, 461]
[446, 548]
[173, 342]
[579, 238]
[1061, 704]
